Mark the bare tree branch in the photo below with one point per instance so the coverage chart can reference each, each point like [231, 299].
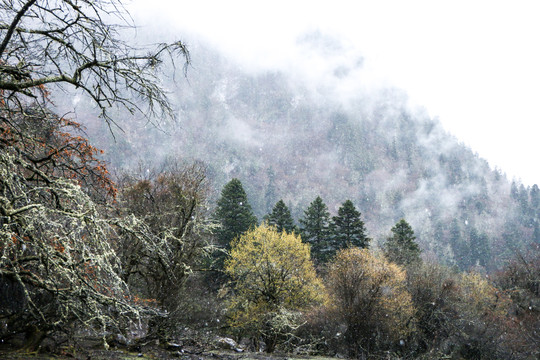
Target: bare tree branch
[60, 42]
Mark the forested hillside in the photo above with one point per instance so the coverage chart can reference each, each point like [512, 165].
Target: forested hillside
[235, 210]
[287, 139]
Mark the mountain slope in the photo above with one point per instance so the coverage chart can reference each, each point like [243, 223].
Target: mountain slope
[287, 139]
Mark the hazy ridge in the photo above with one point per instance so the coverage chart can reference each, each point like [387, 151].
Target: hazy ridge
[285, 138]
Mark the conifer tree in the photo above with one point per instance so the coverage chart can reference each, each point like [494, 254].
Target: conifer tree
[401, 248]
[281, 218]
[270, 193]
[534, 209]
[348, 229]
[514, 191]
[459, 246]
[479, 245]
[234, 213]
[536, 234]
[314, 227]
[535, 198]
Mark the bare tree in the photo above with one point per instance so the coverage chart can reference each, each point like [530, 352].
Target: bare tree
[163, 233]
[58, 268]
[68, 43]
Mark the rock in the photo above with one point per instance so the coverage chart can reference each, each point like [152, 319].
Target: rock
[173, 346]
[227, 343]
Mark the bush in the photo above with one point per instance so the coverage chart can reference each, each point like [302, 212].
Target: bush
[370, 298]
[459, 314]
[273, 281]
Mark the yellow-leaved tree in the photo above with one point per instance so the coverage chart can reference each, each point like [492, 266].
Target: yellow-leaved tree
[370, 298]
[273, 281]
[485, 329]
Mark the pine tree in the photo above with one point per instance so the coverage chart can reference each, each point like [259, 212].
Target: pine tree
[401, 248]
[536, 234]
[535, 198]
[234, 213]
[534, 208]
[281, 218]
[314, 227]
[479, 245]
[523, 201]
[459, 246]
[348, 229]
[514, 192]
[270, 194]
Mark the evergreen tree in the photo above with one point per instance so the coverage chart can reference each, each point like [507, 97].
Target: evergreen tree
[348, 229]
[401, 248]
[533, 212]
[514, 192]
[270, 194]
[281, 218]
[479, 245]
[523, 201]
[536, 234]
[234, 213]
[459, 246]
[535, 198]
[512, 236]
[314, 227]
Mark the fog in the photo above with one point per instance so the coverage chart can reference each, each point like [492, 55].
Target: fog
[314, 117]
[471, 65]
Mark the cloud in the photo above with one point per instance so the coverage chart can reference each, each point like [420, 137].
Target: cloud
[470, 64]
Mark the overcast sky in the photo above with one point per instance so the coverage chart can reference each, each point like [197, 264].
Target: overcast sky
[473, 64]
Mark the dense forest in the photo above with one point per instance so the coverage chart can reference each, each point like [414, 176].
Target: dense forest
[164, 195]
[287, 141]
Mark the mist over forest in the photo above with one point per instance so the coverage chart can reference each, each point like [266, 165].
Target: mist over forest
[162, 199]
[294, 137]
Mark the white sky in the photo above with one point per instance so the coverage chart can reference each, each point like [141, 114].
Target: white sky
[473, 64]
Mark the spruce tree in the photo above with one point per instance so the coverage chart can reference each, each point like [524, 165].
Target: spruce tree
[270, 193]
[348, 229]
[281, 218]
[479, 247]
[459, 246]
[401, 248]
[314, 228]
[536, 234]
[233, 213]
[534, 208]
[535, 198]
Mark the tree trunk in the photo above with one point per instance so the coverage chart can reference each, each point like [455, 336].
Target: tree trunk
[270, 342]
[34, 337]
